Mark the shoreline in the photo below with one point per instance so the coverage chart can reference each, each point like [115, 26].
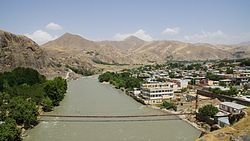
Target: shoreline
[182, 117]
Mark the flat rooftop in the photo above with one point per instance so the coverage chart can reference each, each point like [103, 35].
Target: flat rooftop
[234, 105]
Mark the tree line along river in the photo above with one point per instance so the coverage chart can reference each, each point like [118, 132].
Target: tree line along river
[86, 96]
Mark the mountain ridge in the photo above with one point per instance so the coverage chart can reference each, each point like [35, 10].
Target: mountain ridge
[138, 51]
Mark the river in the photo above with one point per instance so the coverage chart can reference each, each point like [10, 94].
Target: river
[87, 96]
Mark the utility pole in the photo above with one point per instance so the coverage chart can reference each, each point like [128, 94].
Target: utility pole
[196, 102]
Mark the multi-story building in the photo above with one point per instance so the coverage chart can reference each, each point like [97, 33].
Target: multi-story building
[157, 92]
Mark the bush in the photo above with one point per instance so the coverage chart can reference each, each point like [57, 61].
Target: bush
[213, 77]
[208, 111]
[47, 105]
[55, 89]
[169, 105]
[23, 111]
[9, 131]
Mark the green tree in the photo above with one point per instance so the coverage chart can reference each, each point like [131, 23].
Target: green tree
[28, 76]
[132, 82]
[23, 111]
[213, 77]
[229, 71]
[55, 89]
[9, 131]
[167, 105]
[208, 110]
[245, 87]
[106, 77]
[4, 101]
[232, 92]
[47, 104]
[172, 75]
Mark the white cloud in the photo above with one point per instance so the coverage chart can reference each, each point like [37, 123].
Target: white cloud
[40, 36]
[54, 26]
[217, 37]
[139, 33]
[171, 31]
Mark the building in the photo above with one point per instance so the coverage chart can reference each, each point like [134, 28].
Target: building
[225, 82]
[231, 107]
[182, 83]
[157, 92]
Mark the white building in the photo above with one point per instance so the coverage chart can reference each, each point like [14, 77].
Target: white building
[157, 92]
[231, 107]
[182, 83]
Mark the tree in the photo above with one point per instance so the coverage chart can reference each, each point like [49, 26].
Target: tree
[245, 87]
[245, 62]
[55, 89]
[172, 75]
[27, 75]
[169, 105]
[4, 101]
[208, 110]
[232, 92]
[9, 131]
[132, 82]
[47, 104]
[229, 71]
[213, 77]
[23, 111]
[106, 77]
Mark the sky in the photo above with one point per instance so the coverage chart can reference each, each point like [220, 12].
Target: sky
[203, 21]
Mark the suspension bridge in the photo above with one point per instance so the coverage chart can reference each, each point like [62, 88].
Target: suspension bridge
[111, 118]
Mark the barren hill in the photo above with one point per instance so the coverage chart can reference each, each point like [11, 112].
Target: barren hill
[133, 50]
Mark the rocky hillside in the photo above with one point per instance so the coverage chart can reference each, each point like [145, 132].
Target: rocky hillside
[16, 51]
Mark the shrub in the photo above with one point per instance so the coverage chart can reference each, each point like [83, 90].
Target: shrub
[208, 110]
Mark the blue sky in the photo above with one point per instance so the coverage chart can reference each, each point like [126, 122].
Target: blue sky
[209, 21]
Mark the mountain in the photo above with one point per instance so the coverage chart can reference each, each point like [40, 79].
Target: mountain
[126, 44]
[244, 43]
[176, 50]
[133, 50]
[71, 47]
[71, 41]
[20, 51]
